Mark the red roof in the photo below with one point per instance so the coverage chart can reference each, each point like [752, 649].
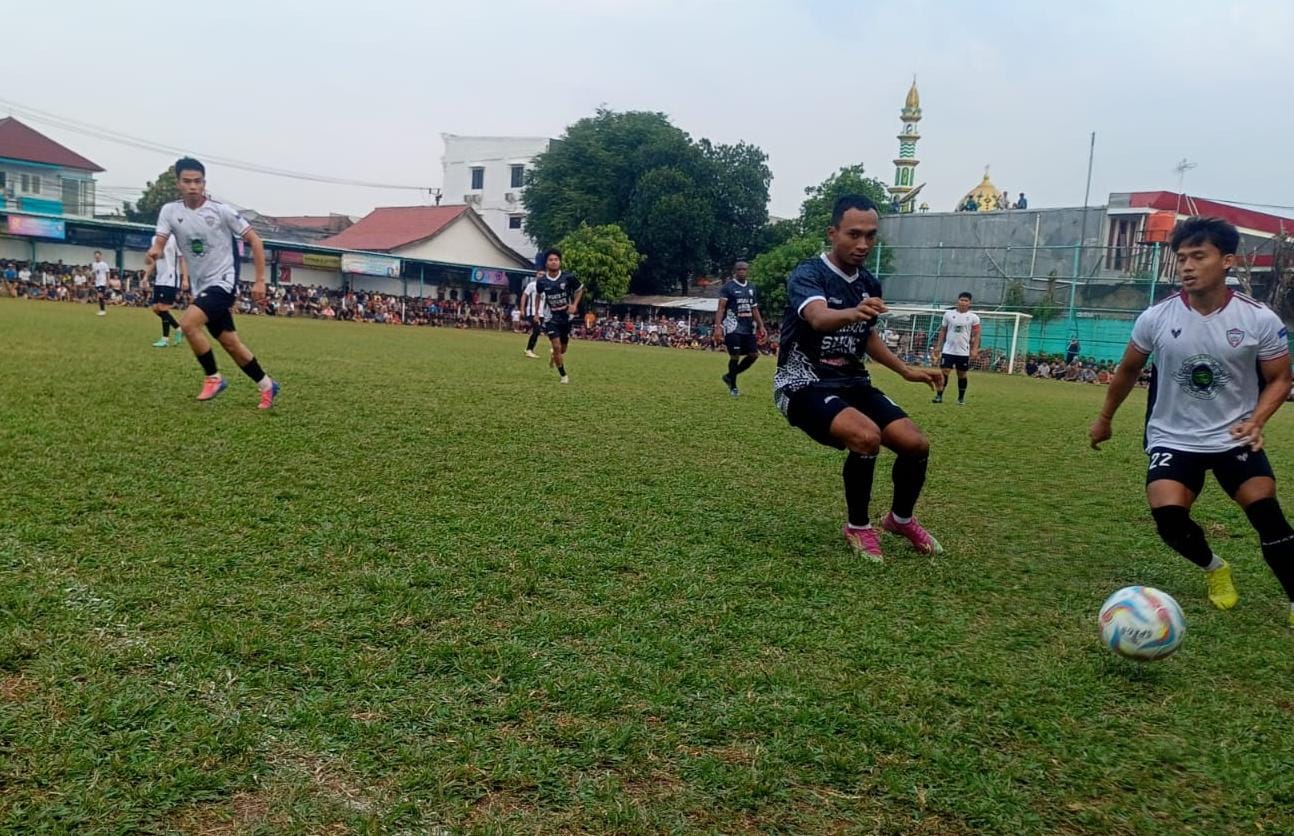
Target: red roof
[317, 223]
[391, 227]
[1247, 218]
[19, 142]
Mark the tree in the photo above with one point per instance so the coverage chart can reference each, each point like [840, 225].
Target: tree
[815, 211]
[769, 270]
[602, 257]
[157, 193]
[687, 205]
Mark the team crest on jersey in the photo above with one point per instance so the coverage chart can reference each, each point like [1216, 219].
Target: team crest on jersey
[197, 246]
[1235, 336]
[211, 220]
[1202, 377]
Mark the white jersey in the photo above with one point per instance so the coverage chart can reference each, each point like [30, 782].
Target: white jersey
[167, 269]
[530, 303]
[205, 239]
[957, 333]
[1205, 377]
[100, 270]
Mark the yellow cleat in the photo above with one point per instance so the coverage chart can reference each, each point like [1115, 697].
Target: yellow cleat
[1222, 592]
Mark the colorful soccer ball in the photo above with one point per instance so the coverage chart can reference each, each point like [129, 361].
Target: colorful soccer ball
[1142, 623]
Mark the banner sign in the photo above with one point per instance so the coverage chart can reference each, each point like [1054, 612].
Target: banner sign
[39, 227]
[498, 278]
[137, 241]
[370, 265]
[321, 262]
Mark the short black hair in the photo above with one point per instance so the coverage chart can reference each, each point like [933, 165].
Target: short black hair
[965, 294]
[844, 203]
[551, 251]
[184, 164]
[1193, 232]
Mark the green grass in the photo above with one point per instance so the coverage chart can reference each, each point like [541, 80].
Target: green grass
[435, 589]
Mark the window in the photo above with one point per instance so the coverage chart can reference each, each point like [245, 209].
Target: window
[518, 171]
[494, 297]
[31, 183]
[478, 177]
[514, 221]
[72, 196]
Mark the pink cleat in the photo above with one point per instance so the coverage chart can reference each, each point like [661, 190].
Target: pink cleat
[865, 541]
[267, 397]
[211, 387]
[914, 533]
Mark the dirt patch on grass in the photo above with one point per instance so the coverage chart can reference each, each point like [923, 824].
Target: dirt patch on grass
[16, 688]
[243, 813]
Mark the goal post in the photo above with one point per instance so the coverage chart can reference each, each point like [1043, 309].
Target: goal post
[1004, 336]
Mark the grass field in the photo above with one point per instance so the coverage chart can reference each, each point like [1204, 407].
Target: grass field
[434, 591]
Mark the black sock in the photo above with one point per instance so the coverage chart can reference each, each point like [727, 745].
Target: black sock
[732, 367]
[208, 362]
[909, 474]
[166, 326]
[170, 320]
[746, 363]
[961, 388]
[1277, 539]
[100, 303]
[534, 338]
[561, 370]
[253, 370]
[1182, 534]
[858, 473]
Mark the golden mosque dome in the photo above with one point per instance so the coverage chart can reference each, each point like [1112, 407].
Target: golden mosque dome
[985, 195]
[914, 98]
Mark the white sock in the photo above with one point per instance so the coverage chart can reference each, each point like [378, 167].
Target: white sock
[1215, 563]
[853, 527]
[265, 384]
[900, 520]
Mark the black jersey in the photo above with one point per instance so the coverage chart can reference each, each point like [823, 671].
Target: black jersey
[739, 313]
[558, 294]
[808, 357]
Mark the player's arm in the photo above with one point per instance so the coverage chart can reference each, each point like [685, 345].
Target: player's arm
[1276, 388]
[184, 271]
[974, 346]
[150, 267]
[880, 352]
[718, 317]
[937, 347]
[1125, 378]
[759, 320]
[827, 320]
[575, 303]
[258, 262]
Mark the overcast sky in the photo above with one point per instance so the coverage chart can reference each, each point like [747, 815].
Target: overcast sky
[364, 90]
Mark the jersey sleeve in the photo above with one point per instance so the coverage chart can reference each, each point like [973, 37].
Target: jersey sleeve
[975, 323]
[1143, 332]
[804, 285]
[754, 297]
[236, 223]
[1273, 338]
[164, 224]
[948, 319]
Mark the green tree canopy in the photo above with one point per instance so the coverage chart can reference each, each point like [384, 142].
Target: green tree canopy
[157, 193]
[688, 205]
[602, 257]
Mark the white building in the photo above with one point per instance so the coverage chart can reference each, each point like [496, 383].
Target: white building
[486, 173]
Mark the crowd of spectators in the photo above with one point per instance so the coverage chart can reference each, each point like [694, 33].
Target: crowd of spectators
[1074, 369]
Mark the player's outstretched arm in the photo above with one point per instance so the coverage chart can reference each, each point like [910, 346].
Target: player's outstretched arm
[1125, 377]
[258, 262]
[880, 352]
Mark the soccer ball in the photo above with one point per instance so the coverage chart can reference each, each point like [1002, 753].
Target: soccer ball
[1142, 623]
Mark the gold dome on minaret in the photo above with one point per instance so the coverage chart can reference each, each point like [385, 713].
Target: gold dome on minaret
[914, 98]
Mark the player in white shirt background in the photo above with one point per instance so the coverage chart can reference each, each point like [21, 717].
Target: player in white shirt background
[170, 276]
[100, 269]
[532, 312]
[1221, 370]
[205, 230]
[957, 345]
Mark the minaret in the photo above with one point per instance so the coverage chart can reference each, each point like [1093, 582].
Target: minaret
[905, 165]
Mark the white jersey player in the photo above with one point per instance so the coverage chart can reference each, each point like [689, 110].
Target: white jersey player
[957, 345]
[169, 276]
[100, 269]
[533, 311]
[1221, 370]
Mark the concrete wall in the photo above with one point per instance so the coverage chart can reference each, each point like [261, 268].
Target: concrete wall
[936, 255]
[19, 249]
[495, 154]
[312, 277]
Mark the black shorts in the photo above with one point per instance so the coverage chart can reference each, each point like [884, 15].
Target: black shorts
[163, 295]
[216, 303]
[102, 291]
[1232, 468]
[813, 408]
[960, 362]
[558, 328]
[740, 343]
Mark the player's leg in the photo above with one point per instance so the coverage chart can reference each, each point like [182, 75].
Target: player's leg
[750, 349]
[557, 360]
[160, 312]
[732, 342]
[944, 366]
[535, 330]
[1173, 480]
[962, 368]
[912, 459]
[223, 330]
[192, 323]
[102, 293]
[1251, 483]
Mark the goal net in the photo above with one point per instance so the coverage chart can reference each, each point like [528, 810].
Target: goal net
[910, 332]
